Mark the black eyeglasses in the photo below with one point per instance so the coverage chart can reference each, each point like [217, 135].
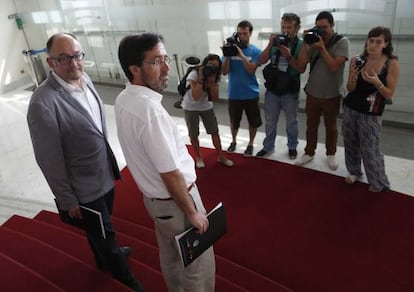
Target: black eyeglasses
[66, 59]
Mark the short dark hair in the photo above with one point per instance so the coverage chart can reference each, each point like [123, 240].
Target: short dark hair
[291, 17]
[325, 15]
[49, 42]
[132, 49]
[246, 23]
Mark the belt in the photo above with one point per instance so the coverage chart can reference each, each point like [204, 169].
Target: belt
[189, 188]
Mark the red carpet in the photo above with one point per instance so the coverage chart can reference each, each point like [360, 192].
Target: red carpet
[306, 230]
[289, 229]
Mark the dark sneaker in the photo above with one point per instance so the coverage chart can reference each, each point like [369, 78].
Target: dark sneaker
[134, 284]
[126, 250]
[248, 151]
[293, 153]
[263, 153]
[232, 147]
[177, 104]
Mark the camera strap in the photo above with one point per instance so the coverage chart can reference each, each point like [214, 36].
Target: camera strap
[336, 37]
[277, 52]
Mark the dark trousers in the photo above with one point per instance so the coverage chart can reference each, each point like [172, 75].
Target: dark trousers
[329, 109]
[107, 252]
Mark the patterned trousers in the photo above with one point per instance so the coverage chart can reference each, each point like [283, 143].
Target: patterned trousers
[361, 140]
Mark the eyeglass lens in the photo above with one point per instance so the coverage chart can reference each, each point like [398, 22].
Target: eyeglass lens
[66, 59]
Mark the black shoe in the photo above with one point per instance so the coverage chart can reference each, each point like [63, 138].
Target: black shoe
[293, 153]
[263, 153]
[126, 250]
[177, 104]
[249, 151]
[232, 147]
[134, 284]
[100, 265]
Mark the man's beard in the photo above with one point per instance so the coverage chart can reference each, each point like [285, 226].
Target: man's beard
[158, 86]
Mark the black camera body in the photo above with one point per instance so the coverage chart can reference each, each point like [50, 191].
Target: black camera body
[281, 39]
[229, 49]
[312, 35]
[360, 62]
[209, 70]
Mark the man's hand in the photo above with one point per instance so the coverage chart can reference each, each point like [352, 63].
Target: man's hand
[284, 51]
[199, 221]
[240, 52]
[75, 212]
[320, 45]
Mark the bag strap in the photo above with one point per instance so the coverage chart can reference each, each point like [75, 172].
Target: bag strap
[277, 52]
[336, 37]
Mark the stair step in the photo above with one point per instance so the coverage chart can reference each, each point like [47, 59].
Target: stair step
[52, 218]
[17, 277]
[143, 252]
[227, 269]
[128, 232]
[135, 230]
[58, 267]
[63, 240]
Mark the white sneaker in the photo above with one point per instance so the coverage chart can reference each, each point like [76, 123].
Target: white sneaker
[305, 158]
[225, 162]
[332, 162]
[199, 163]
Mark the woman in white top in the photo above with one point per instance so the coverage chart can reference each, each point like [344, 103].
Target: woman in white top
[198, 103]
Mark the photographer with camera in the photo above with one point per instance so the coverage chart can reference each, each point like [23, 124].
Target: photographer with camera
[198, 103]
[282, 84]
[327, 53]
[243, 88]
[372, 81]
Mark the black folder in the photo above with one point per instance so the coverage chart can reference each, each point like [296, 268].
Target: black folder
[191, 244]
[89, 216]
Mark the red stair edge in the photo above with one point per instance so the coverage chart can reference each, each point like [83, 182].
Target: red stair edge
[232, 276]
[30, 271]
[219, 257]
[30, 239]
[228, 284]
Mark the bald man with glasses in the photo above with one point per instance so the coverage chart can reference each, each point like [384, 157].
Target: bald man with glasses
[66, 120]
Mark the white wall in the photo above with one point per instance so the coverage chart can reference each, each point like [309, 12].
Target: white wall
[13, 68]
[198, 27]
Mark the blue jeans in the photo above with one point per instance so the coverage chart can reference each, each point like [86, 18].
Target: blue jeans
[273, 105]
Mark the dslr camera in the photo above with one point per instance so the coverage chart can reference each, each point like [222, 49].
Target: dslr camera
[229, 48]
[209, 70]
[281, 39]
[312, 35]
[360, 62]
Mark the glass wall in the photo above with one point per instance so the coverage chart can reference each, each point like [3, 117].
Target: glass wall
[198, 27]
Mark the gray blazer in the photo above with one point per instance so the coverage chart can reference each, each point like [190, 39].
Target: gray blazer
[73, 154]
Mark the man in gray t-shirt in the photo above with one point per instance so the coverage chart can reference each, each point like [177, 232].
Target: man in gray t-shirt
[327, 53]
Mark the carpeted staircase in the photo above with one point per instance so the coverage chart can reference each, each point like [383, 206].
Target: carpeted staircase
[43, 254]
[289, 229]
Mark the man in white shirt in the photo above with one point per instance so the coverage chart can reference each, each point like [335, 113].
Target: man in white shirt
[159, 160]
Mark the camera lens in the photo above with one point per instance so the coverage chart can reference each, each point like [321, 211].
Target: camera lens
[360, 62]
[208, 70]
[281, 39]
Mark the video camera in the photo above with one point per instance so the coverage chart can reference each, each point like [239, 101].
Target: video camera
[229, 48]
[281, 39]
[312, 35]
[360, 62]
